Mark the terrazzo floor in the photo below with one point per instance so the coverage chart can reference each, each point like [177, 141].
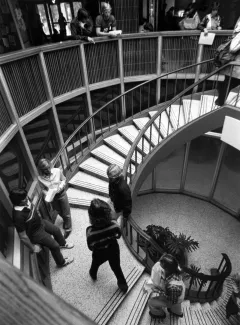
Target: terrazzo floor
[73, 283]
[216, 231]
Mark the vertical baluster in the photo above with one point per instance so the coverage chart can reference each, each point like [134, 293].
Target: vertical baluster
[142, 147]
[131, 236]
[179, 108]
[87, 136]
[166, 90]
[108, 118]
[149, 92]
[200, 287]
[101, 122]
[136, 163]
[206, 293]
[140, 90]
[150, 138]
[202, 102]
[138, 239]
[132, 101]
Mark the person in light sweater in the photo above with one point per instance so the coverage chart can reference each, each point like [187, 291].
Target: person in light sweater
[53, 177]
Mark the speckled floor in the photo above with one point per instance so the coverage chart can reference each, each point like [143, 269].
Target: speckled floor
[73, 283]
[216, 231]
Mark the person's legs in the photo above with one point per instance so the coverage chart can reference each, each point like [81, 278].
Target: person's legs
[156, 305]
[61, 205]
[98, 258]
[44, 238]
[114, 262]
[176, 309]
[224, 88]
[51, 229]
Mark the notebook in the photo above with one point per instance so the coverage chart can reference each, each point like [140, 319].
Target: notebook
[206, 40]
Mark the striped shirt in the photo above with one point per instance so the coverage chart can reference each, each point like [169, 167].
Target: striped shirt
[100, 238]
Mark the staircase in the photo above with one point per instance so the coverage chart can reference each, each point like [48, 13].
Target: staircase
[90, 182]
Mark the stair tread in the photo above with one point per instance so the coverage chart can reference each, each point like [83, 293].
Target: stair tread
[88, 181]
[82, 197]
[131, 133]
[141, 122]
[92, 164]
[109, 155]
[191, 108]
[130, 310]
[109, 309]
[165, 127]
[208, 103]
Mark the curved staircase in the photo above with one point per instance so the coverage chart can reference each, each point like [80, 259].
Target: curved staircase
[101, 300]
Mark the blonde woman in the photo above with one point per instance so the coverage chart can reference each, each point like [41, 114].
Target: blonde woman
[53, 178]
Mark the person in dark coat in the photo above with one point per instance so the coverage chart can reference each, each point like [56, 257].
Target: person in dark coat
[102, 238]
[82, 27]
[119, 193]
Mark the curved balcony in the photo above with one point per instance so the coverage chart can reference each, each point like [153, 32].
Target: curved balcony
[105, 121]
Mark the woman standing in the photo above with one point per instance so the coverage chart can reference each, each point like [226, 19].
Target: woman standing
[191, 18]
[53, 178]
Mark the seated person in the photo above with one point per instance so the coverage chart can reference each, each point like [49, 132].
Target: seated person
[34, 231]
[211, 21]
[105, 22]
[82, 26]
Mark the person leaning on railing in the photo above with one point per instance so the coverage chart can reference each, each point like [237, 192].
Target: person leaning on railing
[51, 178]
[105, 22]
[212, 21]
[82, 26]
[232, 76]
[34, 231]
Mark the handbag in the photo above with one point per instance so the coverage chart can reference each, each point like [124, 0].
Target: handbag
[191, 23]
[223, 55]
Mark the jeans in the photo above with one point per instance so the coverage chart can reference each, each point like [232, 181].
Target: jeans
[44, 237]
[61, 205]
[224, 89]
[110, 254]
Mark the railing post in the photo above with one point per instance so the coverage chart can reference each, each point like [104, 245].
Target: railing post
[185, 164]
[14, 116]
[121, 72]
[86, 84]
[55, 120]
[159, 68]
[217, 170]
[198, 67]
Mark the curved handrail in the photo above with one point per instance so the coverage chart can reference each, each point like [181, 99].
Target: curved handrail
[168, 104]
[61, 151]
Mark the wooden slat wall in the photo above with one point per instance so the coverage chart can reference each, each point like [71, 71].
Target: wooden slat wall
[25, 84]
[139, 56]
[179, 52]
[102, 61]
[64, 70]
[125, 14]
[5, 120]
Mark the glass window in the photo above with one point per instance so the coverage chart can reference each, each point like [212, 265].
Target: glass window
[227, 191]
[147, 184]
[43, 17]
[76, 7]
[169, 170]
[202, 161]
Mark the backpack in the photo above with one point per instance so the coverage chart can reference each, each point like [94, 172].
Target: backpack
[223, 55]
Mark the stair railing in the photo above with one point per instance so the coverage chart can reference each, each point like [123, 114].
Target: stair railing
[109, 116]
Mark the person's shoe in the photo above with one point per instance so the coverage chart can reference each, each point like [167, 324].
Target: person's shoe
[218, 103]
[67, 224]
[158, 316]
[122, 285]
[93, 275]
[67, 246]
[170, 312]
[68, 260]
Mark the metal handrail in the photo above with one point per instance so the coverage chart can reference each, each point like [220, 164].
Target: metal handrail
[61, 151]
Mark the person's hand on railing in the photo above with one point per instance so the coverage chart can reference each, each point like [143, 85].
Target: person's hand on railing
[91, 40]
[205, 32]
[36, 249]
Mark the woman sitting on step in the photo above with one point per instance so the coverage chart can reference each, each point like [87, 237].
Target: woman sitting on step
[167, 282]
[102, 238]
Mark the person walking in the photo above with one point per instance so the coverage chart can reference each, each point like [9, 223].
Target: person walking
[167, 282]
[62, 25]
[53, 178]
[34, 231]
[102, 238]
[119, 193]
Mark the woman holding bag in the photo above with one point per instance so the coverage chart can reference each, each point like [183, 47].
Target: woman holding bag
[232, 74]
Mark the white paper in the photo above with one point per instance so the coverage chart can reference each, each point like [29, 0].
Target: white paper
[115, 32]
[50, 194]
[206, 40]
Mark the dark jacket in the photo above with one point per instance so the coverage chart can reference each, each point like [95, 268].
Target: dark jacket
[120, 195]
[80, 33]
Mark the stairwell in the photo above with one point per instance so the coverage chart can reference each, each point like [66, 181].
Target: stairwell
[101, 300]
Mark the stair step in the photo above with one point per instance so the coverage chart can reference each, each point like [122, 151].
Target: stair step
[39, 125]
[6, 157]
[117, 298]
[133, 305]
[85, 182]
[95, 167]
[82, 199]
[175, 112]
[141, 122]
[36, 135]
[118, 143]
[191, 108]
[234, 97]
[130, 133]
[109, 156]
[207, 104]
[164, 122]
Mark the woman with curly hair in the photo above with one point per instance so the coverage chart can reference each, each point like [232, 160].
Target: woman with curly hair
[102, 238]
